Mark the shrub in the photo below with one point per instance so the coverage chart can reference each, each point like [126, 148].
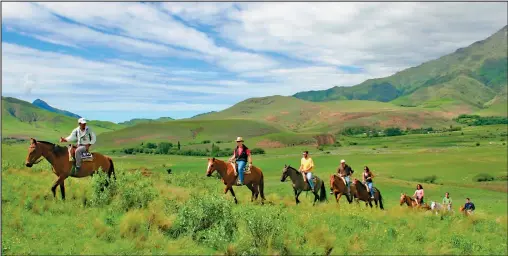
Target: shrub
[206, 142]
[428, 179]
[483, 177]
[207, 219]
[257, 151]
[393, 132]
[103, 189]
[135, 191]
[477, 144]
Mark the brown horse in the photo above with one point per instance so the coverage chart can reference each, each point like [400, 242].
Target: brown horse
[58, 157]
[339, 188]
[411, 202]
[253, 180]
[360, 192]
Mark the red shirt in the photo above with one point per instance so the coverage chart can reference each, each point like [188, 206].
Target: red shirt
[240, 150]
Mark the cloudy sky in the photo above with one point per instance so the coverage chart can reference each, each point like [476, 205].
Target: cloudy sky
[116, 61]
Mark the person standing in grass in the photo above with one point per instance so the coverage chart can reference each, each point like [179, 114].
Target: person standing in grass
[241, 155]
[419, 194]
[447, 202]
[306, 167]
[469, 206]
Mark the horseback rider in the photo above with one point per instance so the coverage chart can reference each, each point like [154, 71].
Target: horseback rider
[419, 194]
[241, 155]
[306, 167]
[367, 179]
[345, 172]
[85, 137]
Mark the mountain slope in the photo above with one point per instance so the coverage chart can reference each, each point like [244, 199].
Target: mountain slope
[23, 119]
[328, 117]
[42, 104]
[482, 66]
[136, 121]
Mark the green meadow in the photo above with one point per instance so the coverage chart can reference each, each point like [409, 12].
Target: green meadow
[148, 211]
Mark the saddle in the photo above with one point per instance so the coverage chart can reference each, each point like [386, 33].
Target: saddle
[85, 156]
[235, 167]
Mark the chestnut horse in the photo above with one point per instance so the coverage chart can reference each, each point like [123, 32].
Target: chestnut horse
[411, 202]
[58, 157]
[339, 188]
[253, 180]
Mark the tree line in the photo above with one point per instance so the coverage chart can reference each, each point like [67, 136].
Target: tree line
[168, 148]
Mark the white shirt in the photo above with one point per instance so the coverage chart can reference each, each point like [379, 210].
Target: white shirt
[82, 137]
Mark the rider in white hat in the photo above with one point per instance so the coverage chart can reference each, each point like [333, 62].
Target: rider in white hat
[84, 136]
[241, 155]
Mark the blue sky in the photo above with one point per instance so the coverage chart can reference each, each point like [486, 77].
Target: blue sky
[116, 61]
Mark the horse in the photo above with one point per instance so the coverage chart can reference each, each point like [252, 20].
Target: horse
[299, 185]
[253, 180]
[463, 210]
[436, 207]
[58, 157]
[362, 194]
[411, 202]
[339, 188]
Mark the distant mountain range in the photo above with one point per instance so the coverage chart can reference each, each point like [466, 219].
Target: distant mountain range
[145, 120]
[474, 77]
[42, 104]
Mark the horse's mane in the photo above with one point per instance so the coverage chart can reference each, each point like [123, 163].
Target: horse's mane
[58, 150]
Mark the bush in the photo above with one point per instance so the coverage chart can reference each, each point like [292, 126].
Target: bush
[135, 191]
[257, 151]
[393, 132]
[477, 144]
[483, 177]
[428, 179]
[103, 189]
[206, 142]
[207, 219]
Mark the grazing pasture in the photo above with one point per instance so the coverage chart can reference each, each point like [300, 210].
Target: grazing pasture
[148, 211]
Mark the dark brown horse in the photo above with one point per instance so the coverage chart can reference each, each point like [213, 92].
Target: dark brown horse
[253, 180]
[339, 188]
[58, 157]
[361, 193]
[300, 185]
[411, 202]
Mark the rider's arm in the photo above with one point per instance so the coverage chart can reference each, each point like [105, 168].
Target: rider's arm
[249, 156]
[72, 137]
[94, 137]
[311, 165]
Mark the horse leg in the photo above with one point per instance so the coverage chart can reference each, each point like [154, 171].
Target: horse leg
[62, 189]
[316, 197]
[233, 193]
[250, 186]
[59, 181]
[297, 194]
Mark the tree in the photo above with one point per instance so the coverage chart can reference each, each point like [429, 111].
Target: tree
[393, 132]
[178, 145]
[164, 147]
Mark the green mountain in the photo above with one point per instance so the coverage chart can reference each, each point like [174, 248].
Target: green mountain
[296, 115]
[136, 121]
[473, 77]
[22, 119]
[42, 104]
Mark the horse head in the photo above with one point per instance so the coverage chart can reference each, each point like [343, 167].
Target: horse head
[402, 198]
[34, 153]
[285, 173]
[211, 168]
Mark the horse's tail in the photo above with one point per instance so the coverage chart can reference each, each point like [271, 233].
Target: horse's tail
[111, 169]
[380, 200]
[262, 186]
[322, 192]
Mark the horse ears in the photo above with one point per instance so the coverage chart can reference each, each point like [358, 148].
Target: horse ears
[33, 141]
[285, 165]
[213, 159]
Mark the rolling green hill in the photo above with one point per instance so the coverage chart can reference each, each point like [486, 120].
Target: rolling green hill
[22, 119]
[136, 121]
[329, 117]
[470, 77]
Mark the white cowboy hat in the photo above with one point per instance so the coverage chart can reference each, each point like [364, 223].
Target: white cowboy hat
[239, 139]
[342, 161]
[82, 121]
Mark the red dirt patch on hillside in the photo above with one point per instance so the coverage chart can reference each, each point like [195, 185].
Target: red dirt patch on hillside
[269, 144]
[271, 118]
[324, 139]
[284, 112]
[144, 171]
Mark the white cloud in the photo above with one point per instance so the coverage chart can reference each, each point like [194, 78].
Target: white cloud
[239, 46]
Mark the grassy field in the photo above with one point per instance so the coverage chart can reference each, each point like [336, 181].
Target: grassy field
[186, 212]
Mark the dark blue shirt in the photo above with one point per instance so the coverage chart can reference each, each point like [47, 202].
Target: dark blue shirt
[469, 206]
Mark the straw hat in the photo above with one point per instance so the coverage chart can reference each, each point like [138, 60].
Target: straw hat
[239, 139]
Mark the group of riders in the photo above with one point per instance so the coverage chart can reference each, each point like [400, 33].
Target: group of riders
[85, 138]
